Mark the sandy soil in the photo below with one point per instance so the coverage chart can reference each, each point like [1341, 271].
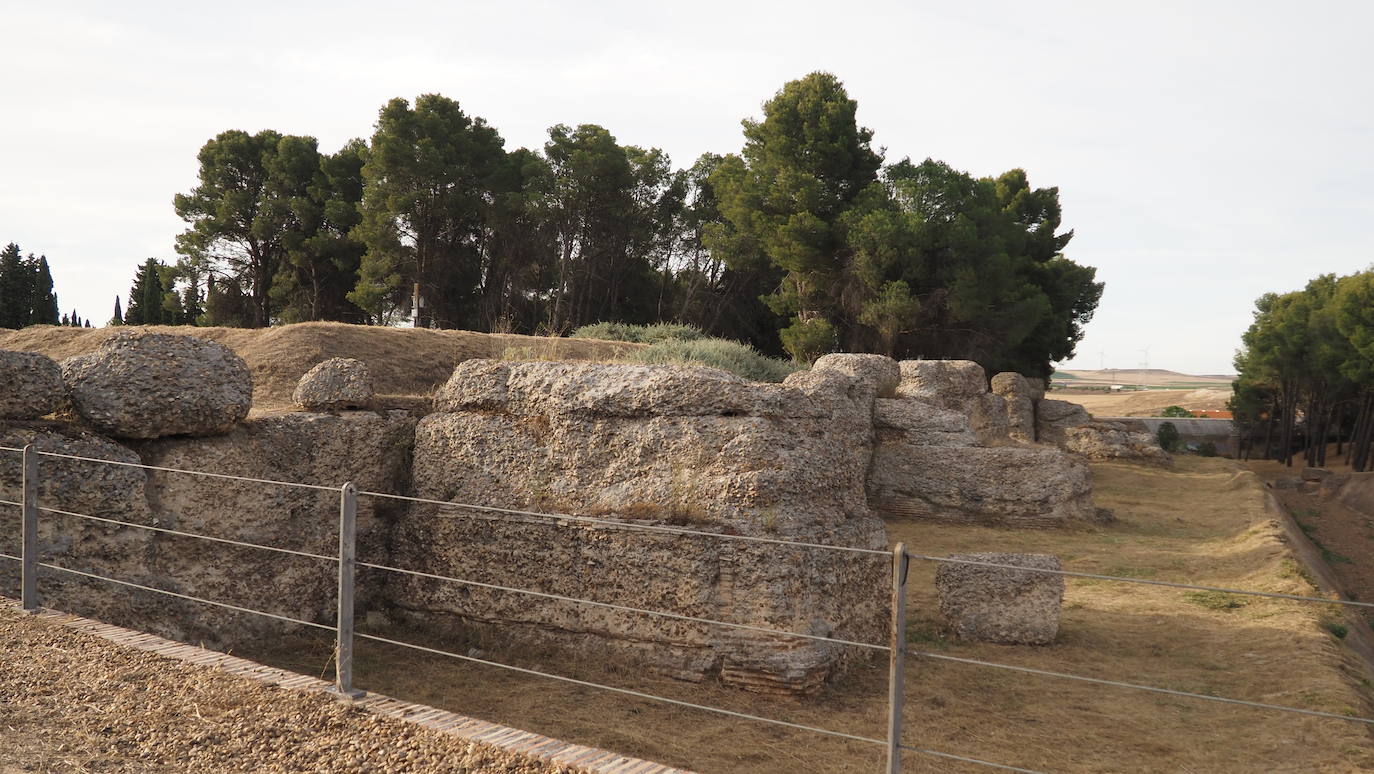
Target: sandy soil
[1204, 522]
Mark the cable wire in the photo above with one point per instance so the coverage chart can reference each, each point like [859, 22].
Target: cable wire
[626, 608]
[10, 557]
[1143, 581]
[191, 535]
[1135, 686]
[11, 502]
[193, 472]
[625, 691]
[188, 597]
[630, 525]
[11, 448]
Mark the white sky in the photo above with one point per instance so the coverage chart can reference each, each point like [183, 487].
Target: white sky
[1205, 152]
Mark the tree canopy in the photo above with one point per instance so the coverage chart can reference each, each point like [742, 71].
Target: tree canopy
[805, 241]
[26, 289]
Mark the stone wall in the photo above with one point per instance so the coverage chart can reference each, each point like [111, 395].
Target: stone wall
[815, 459]
[656, 445]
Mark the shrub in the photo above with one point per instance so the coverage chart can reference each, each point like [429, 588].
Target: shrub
[639, 334]
[1207, 449]
[1177, 412]
[1168, 437]
[739, 359]
[806, 340]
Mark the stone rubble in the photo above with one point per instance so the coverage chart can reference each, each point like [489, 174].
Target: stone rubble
[30, 385]
[337, 384]
[1004, 606]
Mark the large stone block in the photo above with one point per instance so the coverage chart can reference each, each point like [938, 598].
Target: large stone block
[30, 385]
[150, 385]
[1008, 486]
[921, 424]
[654, 446]
[996, 604]
[950, 383]
[1019, 398]
[1070, 427]
[337, 384]
[879, 373]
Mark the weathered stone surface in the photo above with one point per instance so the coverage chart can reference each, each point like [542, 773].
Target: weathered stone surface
[988, 416]
[149, 385]
[650, 445]
[1019, 397]
[78, 486]
[30, 385]
[369, 449]
[1037, 387]
[1005, 606]
[1102, 440]
[337, 384]
[921, 424]
[880, 373]
[1070, 427]
[1316, 474]
[950, 383]
[1009, 486]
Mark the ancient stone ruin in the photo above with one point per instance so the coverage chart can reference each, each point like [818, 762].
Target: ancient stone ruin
[999, 604]
[818, 459]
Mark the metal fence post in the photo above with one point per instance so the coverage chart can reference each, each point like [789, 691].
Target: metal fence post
[28, 530]
[343, 660]
[896, 666]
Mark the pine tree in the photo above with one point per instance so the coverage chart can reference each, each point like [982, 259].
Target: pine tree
[66, 320]
[145, 297]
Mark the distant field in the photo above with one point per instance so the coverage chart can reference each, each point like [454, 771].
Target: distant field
[1144, 403]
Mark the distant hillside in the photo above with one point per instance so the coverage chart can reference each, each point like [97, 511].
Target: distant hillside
[1146, 377]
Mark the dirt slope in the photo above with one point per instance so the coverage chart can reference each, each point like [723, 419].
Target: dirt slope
[407, 363]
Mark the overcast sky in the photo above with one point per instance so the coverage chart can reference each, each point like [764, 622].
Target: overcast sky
[1205, 152]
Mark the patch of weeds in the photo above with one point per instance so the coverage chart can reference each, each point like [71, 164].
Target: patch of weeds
[1331, 557]
[1337, 629]
[926, 634]
[1214, 600]
[1131, 572]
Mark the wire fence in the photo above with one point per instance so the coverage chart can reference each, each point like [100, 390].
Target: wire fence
[343, 629]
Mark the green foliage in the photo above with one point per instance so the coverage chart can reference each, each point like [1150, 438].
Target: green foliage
[1168, 437]
[803, 242]
[1338, 630]
[806, 340]
[640, 334]
[926, 261]
[1214, 600]
[739, 359]
[146, 296]
[1177, 412]
[26, 290]
[425, 187]
[1207, 449]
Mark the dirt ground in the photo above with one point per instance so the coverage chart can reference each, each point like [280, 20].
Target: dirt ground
[72, 702]
[1204, 522]
[1143, 403]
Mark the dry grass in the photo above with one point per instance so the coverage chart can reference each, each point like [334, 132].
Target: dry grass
[408, 364]
[1204, 522]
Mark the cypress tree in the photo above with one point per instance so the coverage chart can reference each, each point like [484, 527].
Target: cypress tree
[44, 303]
[14, 288]
[118, 318]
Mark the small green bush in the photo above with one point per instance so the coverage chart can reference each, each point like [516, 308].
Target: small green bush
[1177, 412]
[739, 359]
[639, 334]
[1206, 449]
[1337, 629]
[806, 340]
[1168, 437]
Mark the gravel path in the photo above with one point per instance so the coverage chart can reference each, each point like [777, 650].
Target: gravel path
[71, 702]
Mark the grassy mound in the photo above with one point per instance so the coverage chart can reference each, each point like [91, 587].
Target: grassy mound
[639, 334]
